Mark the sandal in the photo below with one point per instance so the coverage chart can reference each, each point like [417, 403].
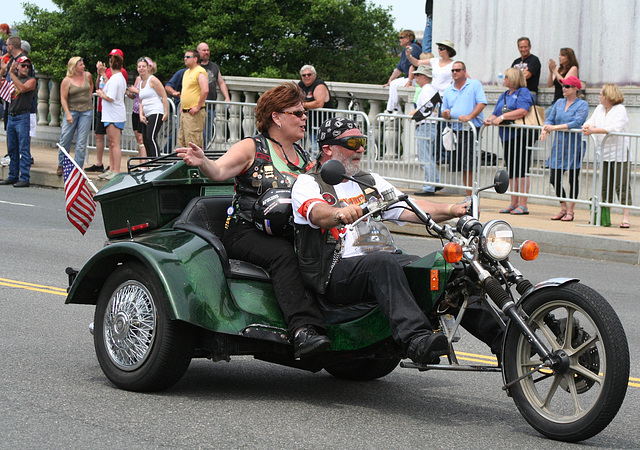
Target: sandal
[508, 209]
[624, 225]
[520, 210]
[559, 216]
[568, 217]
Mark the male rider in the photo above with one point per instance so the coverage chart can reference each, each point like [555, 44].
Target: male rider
[351, 265]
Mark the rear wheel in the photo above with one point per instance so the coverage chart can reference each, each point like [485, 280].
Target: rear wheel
[138, 347]
[581, 396]
[364, 369]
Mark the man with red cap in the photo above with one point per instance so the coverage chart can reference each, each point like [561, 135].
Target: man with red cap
[18, 140]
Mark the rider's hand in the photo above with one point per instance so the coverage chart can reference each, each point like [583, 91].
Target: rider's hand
[192, 155]
[349, 214]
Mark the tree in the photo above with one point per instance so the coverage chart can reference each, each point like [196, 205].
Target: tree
[346, 40]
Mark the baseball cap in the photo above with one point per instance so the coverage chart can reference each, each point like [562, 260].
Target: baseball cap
[23, 59]
[26, 47]
[572, 81]
[117, 51]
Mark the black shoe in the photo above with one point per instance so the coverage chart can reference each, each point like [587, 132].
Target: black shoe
[428, 349]
[22, 184]
[422, 193]
[308, 342]
[95, 168]
[439, 188]
[8, 181]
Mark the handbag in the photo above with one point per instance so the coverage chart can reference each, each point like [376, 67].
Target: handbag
[449, 139]
[534, 117]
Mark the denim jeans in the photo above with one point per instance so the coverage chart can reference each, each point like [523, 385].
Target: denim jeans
[19, 147]
[425, 143]
[82, 123]
[426, 38]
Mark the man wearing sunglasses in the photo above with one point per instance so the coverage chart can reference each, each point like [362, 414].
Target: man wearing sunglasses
[18, 140]
[195, 88]
[347, 266]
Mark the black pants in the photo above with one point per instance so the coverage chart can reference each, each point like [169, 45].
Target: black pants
[149, 132]
[574, 182]
[380, 276]
[245, 242]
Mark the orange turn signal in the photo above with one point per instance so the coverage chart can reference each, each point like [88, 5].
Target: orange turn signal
[529, 250]
[452, 252]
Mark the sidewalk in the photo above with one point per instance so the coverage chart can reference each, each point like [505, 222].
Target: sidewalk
[576, 238]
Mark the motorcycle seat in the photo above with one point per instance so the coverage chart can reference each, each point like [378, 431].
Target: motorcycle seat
[206, 217]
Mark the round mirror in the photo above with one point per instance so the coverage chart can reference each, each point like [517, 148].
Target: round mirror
[501, 181]
[332, 172]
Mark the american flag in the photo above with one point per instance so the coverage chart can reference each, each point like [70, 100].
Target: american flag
[6, 90]
[80, 204]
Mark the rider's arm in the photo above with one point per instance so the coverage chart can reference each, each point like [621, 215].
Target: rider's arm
[235, 161]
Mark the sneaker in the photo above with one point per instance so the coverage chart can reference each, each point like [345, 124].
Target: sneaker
[105, 174]
[428, 349]
[95, 168]
[21, 184]
[308, 341]
[110, 175]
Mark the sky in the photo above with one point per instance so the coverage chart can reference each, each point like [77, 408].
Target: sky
[407, 13]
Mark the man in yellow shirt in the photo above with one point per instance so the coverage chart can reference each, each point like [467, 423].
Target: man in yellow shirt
[195, 88]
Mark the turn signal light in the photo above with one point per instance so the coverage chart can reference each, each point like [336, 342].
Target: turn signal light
[529, 250]
[452, 252]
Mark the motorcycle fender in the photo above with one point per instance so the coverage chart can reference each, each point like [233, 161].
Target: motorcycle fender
[550, 283]
[188, 269]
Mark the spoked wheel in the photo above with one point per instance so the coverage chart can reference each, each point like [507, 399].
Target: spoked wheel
[578, 397]
[365, 369]
[138, 347]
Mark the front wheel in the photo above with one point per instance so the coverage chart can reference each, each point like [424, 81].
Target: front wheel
[580, 397]
[138, 347]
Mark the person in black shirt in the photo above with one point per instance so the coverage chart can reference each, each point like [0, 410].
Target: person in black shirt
[530, 66]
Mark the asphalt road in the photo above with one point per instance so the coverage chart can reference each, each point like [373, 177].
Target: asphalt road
[53, 393]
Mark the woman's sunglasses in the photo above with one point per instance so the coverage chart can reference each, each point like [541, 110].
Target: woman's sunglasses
[298, 114]
[351, 142]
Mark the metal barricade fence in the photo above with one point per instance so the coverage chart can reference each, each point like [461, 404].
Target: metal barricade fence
[618, 181]
[167, 136]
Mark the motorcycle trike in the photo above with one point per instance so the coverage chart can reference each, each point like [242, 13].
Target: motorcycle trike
[166, 292]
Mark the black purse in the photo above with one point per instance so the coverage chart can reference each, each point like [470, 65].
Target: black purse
[506, 110]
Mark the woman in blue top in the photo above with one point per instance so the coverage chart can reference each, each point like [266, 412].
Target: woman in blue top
[512, 105]
[566, 153]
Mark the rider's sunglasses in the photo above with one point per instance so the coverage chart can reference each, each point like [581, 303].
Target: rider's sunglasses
[298, 114]
[351, 142]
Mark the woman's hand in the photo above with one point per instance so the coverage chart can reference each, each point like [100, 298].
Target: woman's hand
[192, 155]
[552, 65]
[493, 120]
[164, 117]
[143, 118]
[69, 118]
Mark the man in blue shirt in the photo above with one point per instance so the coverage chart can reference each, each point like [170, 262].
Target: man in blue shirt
[464, 101]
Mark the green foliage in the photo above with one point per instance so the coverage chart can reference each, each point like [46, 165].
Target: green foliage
[346, 40]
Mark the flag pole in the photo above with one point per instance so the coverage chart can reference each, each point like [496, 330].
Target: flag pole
[95, 189]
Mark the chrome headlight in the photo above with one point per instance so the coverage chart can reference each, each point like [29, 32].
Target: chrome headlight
[497, 239]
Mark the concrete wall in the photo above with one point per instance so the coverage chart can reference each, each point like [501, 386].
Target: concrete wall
[603, 33]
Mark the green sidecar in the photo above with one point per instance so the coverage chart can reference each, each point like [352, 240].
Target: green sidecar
[166, 292]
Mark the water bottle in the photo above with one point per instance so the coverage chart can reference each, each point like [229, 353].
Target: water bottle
[500, 78]
[101, 83]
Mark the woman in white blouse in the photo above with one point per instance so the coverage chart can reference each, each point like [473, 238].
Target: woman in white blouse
[440, 66]
[610, 116]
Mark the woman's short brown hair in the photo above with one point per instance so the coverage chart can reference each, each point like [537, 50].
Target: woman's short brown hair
[612, 93]
[275, 100]
[116, 62]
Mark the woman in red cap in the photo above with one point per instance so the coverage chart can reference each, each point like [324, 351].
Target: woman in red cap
[567, 113]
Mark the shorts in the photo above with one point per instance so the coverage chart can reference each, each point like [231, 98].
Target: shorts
[119, 125]
[462, 157]
[98, 127]
[135, 122]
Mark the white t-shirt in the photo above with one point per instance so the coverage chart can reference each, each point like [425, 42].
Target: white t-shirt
[115, 88]
[424, 101]
[306, 194]
[441, 75]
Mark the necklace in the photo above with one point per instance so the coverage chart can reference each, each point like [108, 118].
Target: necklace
[289, 163]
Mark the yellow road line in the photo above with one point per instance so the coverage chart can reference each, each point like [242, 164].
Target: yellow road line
[33, 287]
